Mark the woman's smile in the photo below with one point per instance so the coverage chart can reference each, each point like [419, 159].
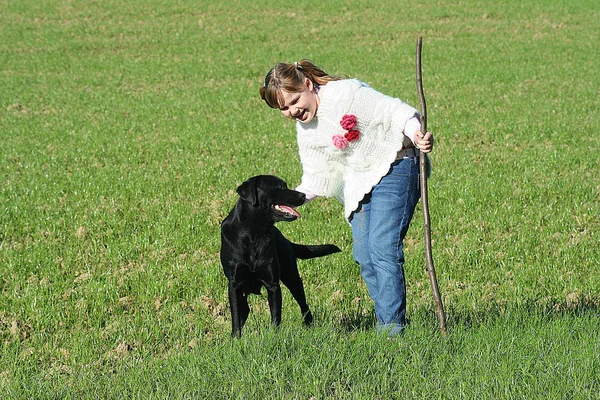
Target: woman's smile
[301, 106]
[301, 116]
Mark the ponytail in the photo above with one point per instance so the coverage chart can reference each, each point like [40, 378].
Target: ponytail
[290, 78]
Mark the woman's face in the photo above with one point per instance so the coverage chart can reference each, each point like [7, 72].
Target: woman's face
[301, 106]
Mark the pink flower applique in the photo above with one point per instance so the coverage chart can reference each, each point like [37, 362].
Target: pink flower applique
[339, 141]
[348, 122]
[352, 135]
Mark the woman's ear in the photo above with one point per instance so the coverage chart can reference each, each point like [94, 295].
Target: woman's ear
[309, 84]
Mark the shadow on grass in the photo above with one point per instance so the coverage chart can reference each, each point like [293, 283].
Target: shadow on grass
[487, 314]
[357, 321]
[514, 312]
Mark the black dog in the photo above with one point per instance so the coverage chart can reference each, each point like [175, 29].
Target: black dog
[254, 253]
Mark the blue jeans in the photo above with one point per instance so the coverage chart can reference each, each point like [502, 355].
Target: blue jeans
[379, 226]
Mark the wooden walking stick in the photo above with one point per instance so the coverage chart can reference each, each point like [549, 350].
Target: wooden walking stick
[437, 298]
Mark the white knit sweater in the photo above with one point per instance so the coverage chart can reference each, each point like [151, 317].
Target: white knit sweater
[350, 173]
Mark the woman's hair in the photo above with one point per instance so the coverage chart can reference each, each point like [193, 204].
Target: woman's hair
[290, 77]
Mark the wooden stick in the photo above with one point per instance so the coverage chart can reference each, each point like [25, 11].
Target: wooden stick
[437, 298]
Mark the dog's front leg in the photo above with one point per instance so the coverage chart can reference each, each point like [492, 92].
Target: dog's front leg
[274, 294]
[235, 302]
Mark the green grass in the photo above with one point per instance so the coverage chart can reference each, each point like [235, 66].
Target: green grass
[127, 126]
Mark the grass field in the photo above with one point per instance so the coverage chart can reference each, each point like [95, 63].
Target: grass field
[125, 128]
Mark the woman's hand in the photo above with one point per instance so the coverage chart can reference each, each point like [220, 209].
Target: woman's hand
[424, 142]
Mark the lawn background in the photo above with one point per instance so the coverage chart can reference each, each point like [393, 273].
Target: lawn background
[125, 128]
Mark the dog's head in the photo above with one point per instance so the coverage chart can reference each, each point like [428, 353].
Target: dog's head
[272, 195]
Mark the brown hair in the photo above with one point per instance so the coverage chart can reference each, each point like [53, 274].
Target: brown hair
[290, 77]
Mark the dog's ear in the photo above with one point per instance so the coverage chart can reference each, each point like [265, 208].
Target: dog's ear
[248, 193]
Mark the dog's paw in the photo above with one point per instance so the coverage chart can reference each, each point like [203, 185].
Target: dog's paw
[308, 319]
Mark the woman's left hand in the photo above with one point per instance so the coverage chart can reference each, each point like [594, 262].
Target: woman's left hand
[424, 142]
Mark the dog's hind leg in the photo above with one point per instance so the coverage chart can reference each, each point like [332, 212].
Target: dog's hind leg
[296, 287]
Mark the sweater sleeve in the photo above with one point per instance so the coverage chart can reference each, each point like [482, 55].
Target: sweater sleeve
[411, 127]
[309, 195]
[386, 116]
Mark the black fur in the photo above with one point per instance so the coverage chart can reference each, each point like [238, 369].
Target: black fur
[254, 253]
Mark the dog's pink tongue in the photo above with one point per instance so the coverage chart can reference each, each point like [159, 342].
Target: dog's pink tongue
[290, 210]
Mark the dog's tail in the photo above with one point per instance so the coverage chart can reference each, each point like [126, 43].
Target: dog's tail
[311, 251]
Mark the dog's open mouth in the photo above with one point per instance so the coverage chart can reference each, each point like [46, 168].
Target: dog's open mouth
[285, 211]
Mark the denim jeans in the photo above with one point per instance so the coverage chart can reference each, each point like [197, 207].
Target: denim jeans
[378, 228]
